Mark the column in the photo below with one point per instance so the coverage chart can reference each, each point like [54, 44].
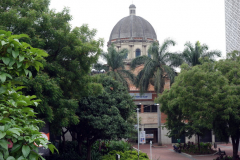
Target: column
[142, 109]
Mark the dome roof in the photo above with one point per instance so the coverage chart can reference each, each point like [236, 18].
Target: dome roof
[132, 6]
[133, 26]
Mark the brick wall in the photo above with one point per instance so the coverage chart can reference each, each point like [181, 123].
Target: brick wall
[148, 118]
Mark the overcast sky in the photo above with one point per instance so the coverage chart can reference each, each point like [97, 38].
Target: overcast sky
[180, 20]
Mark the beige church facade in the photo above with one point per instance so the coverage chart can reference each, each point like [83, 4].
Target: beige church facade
[136, 34]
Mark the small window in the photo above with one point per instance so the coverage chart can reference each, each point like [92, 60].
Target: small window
[147, 108]
[150, 108]
[154, 108]
[138, 52]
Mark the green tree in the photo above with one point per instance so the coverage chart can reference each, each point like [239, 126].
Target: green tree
[116, 68]
[105, 116]
[157, 67]
[192, 55]
[227, 122]
[71, 53]
[19, 130]
[23, 17]
[206, 96]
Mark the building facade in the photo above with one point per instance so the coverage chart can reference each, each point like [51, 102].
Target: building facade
[232, 24]
[136, 34]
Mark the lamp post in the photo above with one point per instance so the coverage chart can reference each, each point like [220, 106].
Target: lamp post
[138, 127]
[159, 126]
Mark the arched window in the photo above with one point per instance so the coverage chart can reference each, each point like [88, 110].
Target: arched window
[138, 52]
[126, 56]
[126, 51]
[149, 55]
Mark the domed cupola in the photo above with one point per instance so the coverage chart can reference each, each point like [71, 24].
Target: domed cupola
[132, 9]
[133, 31]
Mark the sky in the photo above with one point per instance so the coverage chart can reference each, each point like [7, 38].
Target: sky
[180, 20]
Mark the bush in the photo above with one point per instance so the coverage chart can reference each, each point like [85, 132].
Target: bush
[127, 155]
[70, 152]
[191, 148]
[120, 146]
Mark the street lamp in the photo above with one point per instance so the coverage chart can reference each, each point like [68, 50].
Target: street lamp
[159, 126]
[138, 127]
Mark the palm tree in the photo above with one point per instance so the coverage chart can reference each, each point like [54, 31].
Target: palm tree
[116, 68]
[191, 55]
[157, 67]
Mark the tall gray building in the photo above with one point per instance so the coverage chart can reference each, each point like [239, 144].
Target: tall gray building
[232, 23]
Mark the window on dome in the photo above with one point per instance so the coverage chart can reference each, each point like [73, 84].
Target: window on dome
[138, 52]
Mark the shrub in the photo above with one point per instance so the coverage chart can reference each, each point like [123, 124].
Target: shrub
[205, 148]
[120, 146]
[127, 155]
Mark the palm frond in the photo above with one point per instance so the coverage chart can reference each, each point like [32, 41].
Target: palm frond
[187, 56]
[175, 59]
[191, 55]
[138, 61]
[127, 74]
[114, 58]
[145, 75]
[158, 81]
[190, 46]
[165, 45]
[170, 73]
[153, 50]
[211, 54]
[121, 79]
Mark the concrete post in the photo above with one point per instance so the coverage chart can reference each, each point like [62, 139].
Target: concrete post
[159, 125]
[213, 138]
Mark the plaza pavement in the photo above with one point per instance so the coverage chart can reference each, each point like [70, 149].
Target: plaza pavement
[167, 153]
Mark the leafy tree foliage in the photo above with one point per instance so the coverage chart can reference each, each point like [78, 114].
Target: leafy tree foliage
[191, 55]
[205, 96]
[105, 116]
[157, 67]
[99, 66]
[18, 126]
[23, 17]
[116, 69]
[71, 52]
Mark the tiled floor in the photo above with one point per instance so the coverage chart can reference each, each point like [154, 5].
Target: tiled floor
[167, 153]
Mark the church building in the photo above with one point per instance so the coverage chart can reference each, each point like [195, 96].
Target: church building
[136, 34]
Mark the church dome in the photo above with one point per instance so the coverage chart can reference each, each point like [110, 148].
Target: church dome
[133, 27]
[132, 6]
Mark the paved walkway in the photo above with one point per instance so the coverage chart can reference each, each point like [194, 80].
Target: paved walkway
[167, 153]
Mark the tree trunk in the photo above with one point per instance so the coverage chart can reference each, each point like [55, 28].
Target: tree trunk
[88, 150]
[63, 141]
[235, 143]
[198, 142]
[79, 140]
